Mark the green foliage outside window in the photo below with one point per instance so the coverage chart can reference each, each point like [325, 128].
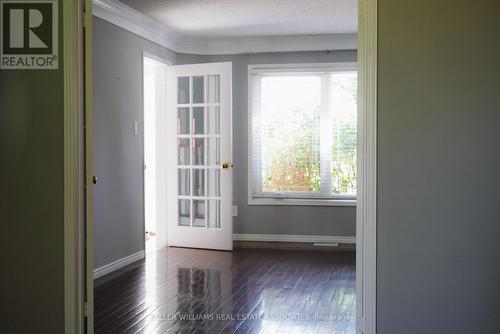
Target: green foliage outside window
[291, 145]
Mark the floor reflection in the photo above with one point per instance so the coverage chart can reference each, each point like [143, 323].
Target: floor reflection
[247, 291]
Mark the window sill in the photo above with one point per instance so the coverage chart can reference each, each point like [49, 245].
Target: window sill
[300, 202]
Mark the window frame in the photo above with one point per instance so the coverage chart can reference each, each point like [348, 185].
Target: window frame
[288, 198]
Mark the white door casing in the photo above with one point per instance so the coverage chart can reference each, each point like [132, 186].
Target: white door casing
[154, 138]
[199, 146]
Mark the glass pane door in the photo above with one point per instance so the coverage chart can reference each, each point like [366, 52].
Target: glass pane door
[199, 151]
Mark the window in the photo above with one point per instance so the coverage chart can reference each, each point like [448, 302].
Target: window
[303, 134]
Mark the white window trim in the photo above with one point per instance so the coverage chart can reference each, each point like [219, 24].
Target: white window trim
[276, 199]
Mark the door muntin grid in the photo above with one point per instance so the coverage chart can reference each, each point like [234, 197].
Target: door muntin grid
[198, 151]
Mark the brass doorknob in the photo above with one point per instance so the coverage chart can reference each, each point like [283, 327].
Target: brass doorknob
[226, 165]
[94, 179]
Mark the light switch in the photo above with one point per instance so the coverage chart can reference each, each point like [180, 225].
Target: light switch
[136, 128]
[234, 211]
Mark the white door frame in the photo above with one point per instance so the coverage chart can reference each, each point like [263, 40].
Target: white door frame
[366, 209]
[367, 174]
[161, 160]
[78, 263]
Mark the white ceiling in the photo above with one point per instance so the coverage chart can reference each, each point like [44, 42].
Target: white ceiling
[244, 18]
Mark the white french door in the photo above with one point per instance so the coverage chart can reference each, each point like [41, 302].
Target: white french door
[199, 150]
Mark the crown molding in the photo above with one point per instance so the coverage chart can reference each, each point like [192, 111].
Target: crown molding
[236, 45]
[131, 20]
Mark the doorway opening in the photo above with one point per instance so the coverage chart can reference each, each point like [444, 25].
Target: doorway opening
[154, 86]
[204, 271]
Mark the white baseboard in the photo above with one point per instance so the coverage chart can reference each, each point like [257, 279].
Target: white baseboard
[294, 238]
[115, 265]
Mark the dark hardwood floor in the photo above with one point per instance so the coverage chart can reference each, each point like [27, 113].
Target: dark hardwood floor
[177, 290]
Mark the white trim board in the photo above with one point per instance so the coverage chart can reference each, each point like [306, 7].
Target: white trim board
[294, 238]
[366, 209]
[74, 204]
[131, 20]
[115, 265]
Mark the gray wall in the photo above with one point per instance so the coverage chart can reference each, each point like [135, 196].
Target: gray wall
[32, 200]
[439, 162]
[307, 220]
[118, 153]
